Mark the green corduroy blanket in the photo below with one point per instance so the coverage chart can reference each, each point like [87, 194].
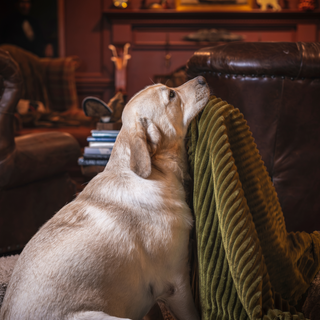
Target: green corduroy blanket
[249, 266]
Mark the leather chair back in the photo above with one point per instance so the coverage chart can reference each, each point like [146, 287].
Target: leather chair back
[277, 88]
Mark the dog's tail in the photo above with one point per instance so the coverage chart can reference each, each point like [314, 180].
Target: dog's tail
[92, 315]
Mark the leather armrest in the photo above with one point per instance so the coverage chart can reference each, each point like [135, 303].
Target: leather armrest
[38, 156]
[10, 89]
[290, 59]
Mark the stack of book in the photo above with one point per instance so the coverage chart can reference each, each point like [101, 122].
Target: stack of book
[98, 152]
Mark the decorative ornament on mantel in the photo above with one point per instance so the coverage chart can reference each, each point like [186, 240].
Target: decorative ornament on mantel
[272, 3]
[307, 5]
[120, 62]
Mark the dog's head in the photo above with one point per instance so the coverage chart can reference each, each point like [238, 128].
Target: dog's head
[157, 118]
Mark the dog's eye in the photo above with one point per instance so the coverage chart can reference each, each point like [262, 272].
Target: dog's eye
[172, 94]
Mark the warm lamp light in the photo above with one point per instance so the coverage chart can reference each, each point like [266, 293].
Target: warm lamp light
[121, 4]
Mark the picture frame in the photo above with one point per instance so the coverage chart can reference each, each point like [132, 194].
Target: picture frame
[214, 5]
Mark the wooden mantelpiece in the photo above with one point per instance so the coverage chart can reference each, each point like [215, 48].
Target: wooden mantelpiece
[172, 15]
[303, 25]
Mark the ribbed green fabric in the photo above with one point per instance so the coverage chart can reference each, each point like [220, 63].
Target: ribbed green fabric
[247, 262]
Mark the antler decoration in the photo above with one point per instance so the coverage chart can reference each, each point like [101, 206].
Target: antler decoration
[126, 56]
[120, 62]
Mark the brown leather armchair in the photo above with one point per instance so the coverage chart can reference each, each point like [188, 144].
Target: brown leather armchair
[33, 179]
[53, 83]
[277, 88]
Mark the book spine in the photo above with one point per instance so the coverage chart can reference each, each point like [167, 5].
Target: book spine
[105, 133]
[102, 139]
[96, 150]
[96, 156]
[101, 144]
[92, 162]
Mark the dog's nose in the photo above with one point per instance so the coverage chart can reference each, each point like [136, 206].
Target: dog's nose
[201, 80]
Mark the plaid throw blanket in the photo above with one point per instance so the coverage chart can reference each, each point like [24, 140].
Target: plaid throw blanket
[59, 75]
[33, 87]
[249, 267]
[51, 81]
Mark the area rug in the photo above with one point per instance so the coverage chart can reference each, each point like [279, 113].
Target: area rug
[248, 265]
[6, 268]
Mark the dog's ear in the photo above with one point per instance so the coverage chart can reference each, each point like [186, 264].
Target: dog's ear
[153, 137]
[143, 145]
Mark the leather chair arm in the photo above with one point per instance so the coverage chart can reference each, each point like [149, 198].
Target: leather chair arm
[290, 59]
[10, 89]
[38, 156]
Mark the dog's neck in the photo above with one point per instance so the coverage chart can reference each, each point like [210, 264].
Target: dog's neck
[172, 160]
[169, 159]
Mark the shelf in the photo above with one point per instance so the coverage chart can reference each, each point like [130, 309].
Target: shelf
[172, 14]
[178, 46]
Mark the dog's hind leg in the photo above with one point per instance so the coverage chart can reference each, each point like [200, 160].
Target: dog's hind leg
[92, 315]
[181, 302]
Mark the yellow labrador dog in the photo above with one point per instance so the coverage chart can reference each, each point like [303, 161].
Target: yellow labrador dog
[122, 244]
